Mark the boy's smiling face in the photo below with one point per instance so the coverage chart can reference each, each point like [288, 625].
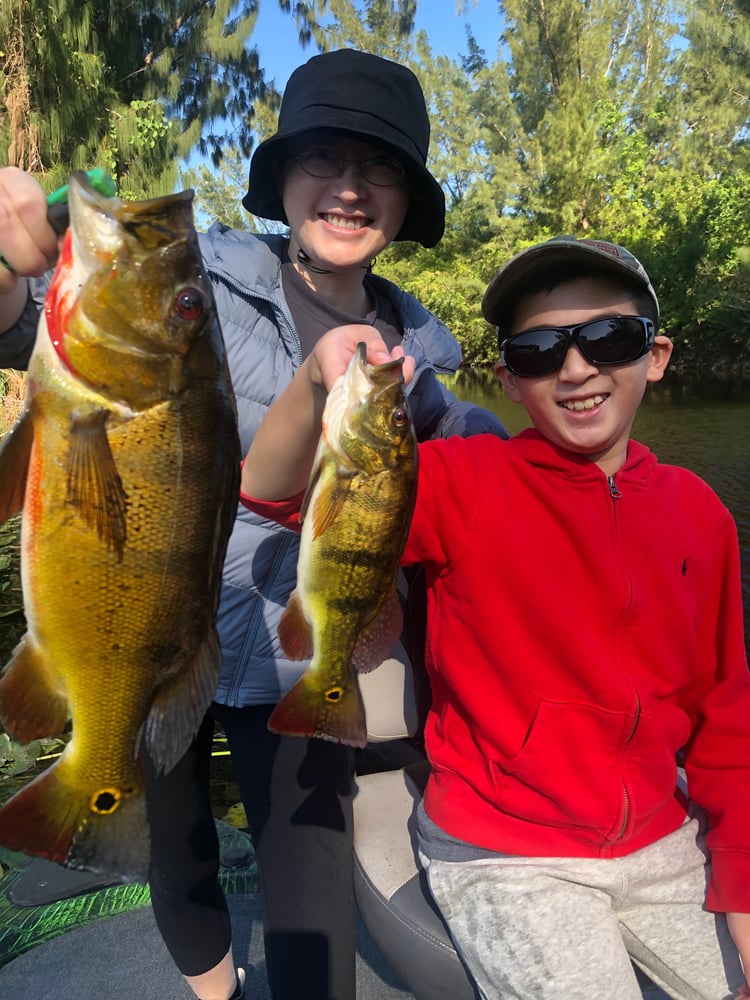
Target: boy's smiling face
[611, 393]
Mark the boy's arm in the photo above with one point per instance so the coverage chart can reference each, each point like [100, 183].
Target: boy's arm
[281, 455]
[739, 928]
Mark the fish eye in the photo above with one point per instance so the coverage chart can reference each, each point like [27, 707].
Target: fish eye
[400, 416]
[190, 303]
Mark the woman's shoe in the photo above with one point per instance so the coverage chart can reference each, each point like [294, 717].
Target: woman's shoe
[239, 989]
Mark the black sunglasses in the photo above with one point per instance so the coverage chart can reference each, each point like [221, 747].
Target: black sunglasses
[615, 340]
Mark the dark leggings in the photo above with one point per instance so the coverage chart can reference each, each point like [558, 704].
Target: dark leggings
[298, 797]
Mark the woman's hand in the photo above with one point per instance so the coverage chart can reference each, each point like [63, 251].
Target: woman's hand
[278, 464]
[331, 355]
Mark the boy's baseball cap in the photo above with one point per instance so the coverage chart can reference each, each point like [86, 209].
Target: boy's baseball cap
[370, 98]
[599, 255]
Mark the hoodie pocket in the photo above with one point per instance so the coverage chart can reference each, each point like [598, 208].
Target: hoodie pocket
[568, 773]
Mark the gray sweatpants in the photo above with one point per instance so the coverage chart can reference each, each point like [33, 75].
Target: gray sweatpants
[567, 928]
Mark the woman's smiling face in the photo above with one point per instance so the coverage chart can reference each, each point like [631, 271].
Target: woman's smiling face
[341, 222]
[584, 408]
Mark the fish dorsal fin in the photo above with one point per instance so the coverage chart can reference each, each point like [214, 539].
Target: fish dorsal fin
[294, 631]
[379, 636]
[94, 486]
[15, 453]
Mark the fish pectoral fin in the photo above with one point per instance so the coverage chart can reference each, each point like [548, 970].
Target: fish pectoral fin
[309, 708]
[295, 631]
[180, 703]
[15, 454]
[32, 700]
[378, 637]
[94, 486]
[329, 503]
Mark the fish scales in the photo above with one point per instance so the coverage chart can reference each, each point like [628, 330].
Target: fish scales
[130, 493]
[345, 609]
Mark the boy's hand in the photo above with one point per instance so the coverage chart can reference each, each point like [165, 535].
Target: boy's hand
[27, 241]
[739, 928]
[331, 355]
[278, 464]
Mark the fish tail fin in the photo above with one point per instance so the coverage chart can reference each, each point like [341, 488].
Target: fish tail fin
[334, 713]
[99, 829]
[32, 703]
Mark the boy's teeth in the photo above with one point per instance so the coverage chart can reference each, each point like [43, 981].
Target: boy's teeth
[583, 404]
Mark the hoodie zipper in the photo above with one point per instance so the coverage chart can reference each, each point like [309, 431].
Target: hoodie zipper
[616, 494]
[626, 797]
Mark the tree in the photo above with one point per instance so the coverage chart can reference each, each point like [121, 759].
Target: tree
[383, 27]
[714, 82]
[129, 85]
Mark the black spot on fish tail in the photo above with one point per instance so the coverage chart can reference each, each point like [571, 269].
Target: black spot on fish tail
[105, 801]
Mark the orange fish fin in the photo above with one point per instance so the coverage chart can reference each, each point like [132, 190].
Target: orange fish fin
[32, 699]
[329, 503]
[15, 454]
[180, 703]
[94, 486]
[96, 829]
[308, 709]
[377, 639]
[295, 631]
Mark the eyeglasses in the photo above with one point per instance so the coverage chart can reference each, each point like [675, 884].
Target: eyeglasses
[615, 340]
[325, 164]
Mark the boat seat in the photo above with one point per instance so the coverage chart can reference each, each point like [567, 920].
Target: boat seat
[390, 886]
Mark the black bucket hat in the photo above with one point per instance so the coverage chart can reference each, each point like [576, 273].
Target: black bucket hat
[364, 96]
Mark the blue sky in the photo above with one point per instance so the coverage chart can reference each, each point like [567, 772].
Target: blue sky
[276, 38]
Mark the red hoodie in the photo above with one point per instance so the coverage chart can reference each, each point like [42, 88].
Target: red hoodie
[582, 632]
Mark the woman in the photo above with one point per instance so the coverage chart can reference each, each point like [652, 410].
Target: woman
[346, 172]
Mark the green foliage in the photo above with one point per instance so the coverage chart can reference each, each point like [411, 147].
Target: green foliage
[129, 85]
[450, 289]
[601, 121]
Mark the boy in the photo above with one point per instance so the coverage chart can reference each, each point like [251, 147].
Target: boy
[585, 629]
